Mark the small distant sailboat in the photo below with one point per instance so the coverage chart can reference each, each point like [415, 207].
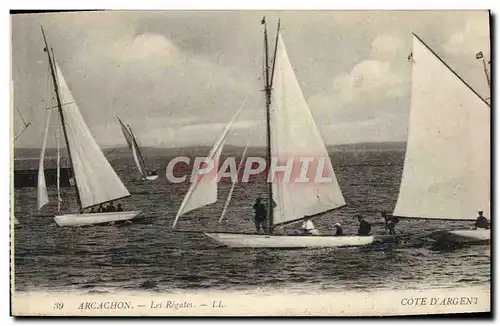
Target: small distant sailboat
[291, 132]
[446, 174]
[95, 180]
[140, 163]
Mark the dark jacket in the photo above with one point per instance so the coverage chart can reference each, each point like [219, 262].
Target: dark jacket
[339, 231]
[260, 210]
[482, 222]
[364, 228]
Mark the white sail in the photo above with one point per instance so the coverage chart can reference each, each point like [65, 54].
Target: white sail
[203, 191]
[295, 134]
[446, 171]
[131, 144]
[229, 196]
[96, 180]
[42, 196]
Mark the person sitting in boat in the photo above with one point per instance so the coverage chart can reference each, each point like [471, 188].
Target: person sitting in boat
[260, 211]
[110, 207]
[308, 228]
[390, 222]
[481, 222]
[338, 229]
[364, 226]
[119, 208]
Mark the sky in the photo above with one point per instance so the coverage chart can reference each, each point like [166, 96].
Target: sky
[177, 77]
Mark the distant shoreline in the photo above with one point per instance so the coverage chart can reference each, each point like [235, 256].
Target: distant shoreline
[34, 153]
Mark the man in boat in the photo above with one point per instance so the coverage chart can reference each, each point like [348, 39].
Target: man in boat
[338, 229]
[308, 228]
[364, 226]
[110, 207]
[390, 222]
[481, 222]
[260, 211]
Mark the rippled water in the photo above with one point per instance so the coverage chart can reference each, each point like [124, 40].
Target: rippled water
[145, 255]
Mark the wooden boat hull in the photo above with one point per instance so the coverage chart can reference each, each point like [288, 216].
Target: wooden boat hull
[479, 236]
[240, 240]
[94, 218]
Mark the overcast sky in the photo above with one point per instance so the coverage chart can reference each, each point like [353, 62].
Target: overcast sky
[177, 76]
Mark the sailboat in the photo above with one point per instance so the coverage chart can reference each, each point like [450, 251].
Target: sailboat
[291, 132]
[140, 163]
[96, 182]
[446, 173]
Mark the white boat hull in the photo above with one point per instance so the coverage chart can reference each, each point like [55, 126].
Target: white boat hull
[152, 177]
[240, 240]
[465, 236]
[94, 218]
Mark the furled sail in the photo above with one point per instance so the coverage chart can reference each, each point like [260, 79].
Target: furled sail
[446, 172]
[203, 191]
[295, 134]
[42, 196]
[96, 180]
[131, 145]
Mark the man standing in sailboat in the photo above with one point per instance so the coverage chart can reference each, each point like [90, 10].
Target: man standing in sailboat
[260, 215]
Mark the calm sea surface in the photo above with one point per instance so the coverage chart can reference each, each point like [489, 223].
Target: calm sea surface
[145, 255]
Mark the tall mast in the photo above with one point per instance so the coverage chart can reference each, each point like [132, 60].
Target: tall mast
[268, 84]
[61, 114]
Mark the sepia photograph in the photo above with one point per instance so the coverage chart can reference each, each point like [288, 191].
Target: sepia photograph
[250, 162]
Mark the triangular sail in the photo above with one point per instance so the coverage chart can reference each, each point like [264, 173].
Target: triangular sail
[229, 196]
[446, 171]
[42, 196]
[203, 191]
[295, 134]
[132, 146]
[138, 149]
[96, 180]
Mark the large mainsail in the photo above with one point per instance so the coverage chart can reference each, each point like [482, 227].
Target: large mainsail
[203, 191]
[42, 196]
[132, 146]
[295, 134]
[96, 180]
[446, 171]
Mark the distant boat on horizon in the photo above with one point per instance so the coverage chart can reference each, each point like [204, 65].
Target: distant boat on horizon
[139, 160]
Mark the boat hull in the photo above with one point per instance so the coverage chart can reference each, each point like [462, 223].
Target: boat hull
[239, 240]
[479, 236]
[151, 177]
[94, 218]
